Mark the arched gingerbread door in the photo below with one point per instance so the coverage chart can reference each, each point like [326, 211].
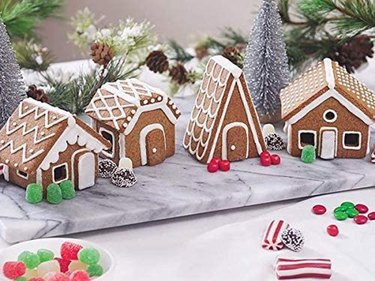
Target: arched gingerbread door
[235, 145]
[153, 145]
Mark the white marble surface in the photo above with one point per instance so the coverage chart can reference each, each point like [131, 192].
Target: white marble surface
[179, 187]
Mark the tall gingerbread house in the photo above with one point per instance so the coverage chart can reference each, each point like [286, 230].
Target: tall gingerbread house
[224, 122]
[328, 108]
[137, 119]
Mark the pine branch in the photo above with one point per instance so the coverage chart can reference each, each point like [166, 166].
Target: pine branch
[179, 53]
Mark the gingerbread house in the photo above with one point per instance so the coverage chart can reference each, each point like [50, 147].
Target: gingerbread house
[43, 144]
[137, 119]
[224, 122]
[328, 108]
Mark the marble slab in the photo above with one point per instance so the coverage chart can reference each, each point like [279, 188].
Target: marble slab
[178, 187]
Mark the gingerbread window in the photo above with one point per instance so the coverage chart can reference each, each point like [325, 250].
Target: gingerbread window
[330, 116]
[306, 138]
[22, 174]
[108, 135]
[352, 140]
[60, 173]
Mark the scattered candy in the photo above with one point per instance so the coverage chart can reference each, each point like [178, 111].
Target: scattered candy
[341, 216]
[340, 209]
[30, 259]
[106, 168]
[45, 255]
[274, 142]
[48, 267]
[89, 256]
[79, 275]
[95, 270]
[371, 216]
[213, 166]
[275, 159]
[54, 195]
[347, 205]
[360, 219]
[67, 190]
[34, 193]
[265, 161]
[69, 251]
[64, 264]
[293, 239]
[56, 276]
[13, 269]
[361, 208]
[333, 230]
[77, 265]
[351, 212]
[123, 178]
[224, 165]
[303, 268]
[319, 210]
[272, 237]
[308, 155]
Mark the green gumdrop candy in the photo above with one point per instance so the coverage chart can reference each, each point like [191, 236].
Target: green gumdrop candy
[30, 259]
[95, 270]
[340, 209]
[54, 195]
[308, 154]
[20, 279]
[341, 216]
[67, 189]
[34, 193]
[45, 255]
[351, 212]
[89, 256]
[347, 204]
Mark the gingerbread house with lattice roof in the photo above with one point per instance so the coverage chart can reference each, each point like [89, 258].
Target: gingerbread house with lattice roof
[137, 119]
[224, 122]
[43, 144]
[330, 109]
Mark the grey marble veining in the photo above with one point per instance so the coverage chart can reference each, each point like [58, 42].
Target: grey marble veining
[178, 187]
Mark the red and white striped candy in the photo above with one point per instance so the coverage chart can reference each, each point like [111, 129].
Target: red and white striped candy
[303, 268]
[272, 238]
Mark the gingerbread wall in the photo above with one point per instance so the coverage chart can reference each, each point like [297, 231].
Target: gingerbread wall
[116, 157]
[16, 179]
[346, 121]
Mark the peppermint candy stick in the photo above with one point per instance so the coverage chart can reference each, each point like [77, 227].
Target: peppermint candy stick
[287, 269]
[272, 238]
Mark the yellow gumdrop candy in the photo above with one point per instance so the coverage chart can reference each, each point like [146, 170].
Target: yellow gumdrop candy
[47, 267]
[30, 274]
[77, 265]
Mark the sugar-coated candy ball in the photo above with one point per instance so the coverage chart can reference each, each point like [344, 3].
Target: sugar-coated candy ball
[77, 265]
[293, 239]
[106, 168]
[308, 155]
[95, 270]
[79, 275]
[224, 165]
[124, 178]
[361, 208]
[34, 193]
[56, 276]
[69, 251]
[30, 259]
[89, 256]
[14, 269]
[371, 216]
[333, 230]
[64, 264]
[22, 278]
[265, 154]
[351, 212]
[212, 167]
[54, 195]
[360, 219]
[45, 255]
[275, 159]
[48, 267]
[341, 216]
[266, 161]
[67, 190]
[347, 204]
[216, 160]
[319, 210]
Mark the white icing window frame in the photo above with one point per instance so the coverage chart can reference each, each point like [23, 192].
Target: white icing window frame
[105, 153]
[352, 147]
[22, 176]
[59, 166]
[330, 111]
[307, 131]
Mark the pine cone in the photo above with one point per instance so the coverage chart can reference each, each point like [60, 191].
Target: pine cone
[179, 74]
[157, 62]
[232, 54]
[37, 94]
[201, 52]
[354, 53]
[101, 53]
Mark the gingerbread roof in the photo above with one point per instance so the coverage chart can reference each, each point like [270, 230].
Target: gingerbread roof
[117, 104]
[33, 134]
[215, 87]
[315, 85]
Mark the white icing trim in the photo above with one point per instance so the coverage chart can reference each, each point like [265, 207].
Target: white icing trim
[334, 94]
[107, 154]
[120, 92]
[330, 76]
[72, 161]
[48, 107]
[18, 172]
[330, 120]
[308, 132]
[39, 176]
[352, 147]
[322, 129]
[59, 166]
[228, 65]
[224, 149]
[6, 172]
[289, 144]
[142, 140]
[122, 146]
[368, 140]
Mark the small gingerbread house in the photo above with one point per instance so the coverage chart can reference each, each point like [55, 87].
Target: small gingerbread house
[328, 108]
[137, 119]
[224, 122]
[43, 144]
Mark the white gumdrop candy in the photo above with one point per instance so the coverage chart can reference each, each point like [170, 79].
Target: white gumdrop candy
[268, 129]
[47, 267]
[126, 163]
[30, 274]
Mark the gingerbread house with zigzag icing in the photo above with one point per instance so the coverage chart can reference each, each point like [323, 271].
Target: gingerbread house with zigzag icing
[137, 119]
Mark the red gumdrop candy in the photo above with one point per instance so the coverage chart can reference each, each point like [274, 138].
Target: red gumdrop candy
[265, 161]
[360, 219]
[79, 275]
[216, 160]
[275, 159]
[64, 264]
[265, 153]
[212, 167]
[361, 208]
[57, 276]
[69, 251]
[224, 165]
[319, 210]
[333, 230]
[14, 269]
[371, 216]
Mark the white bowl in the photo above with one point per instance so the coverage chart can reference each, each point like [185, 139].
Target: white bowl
[54, 244]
